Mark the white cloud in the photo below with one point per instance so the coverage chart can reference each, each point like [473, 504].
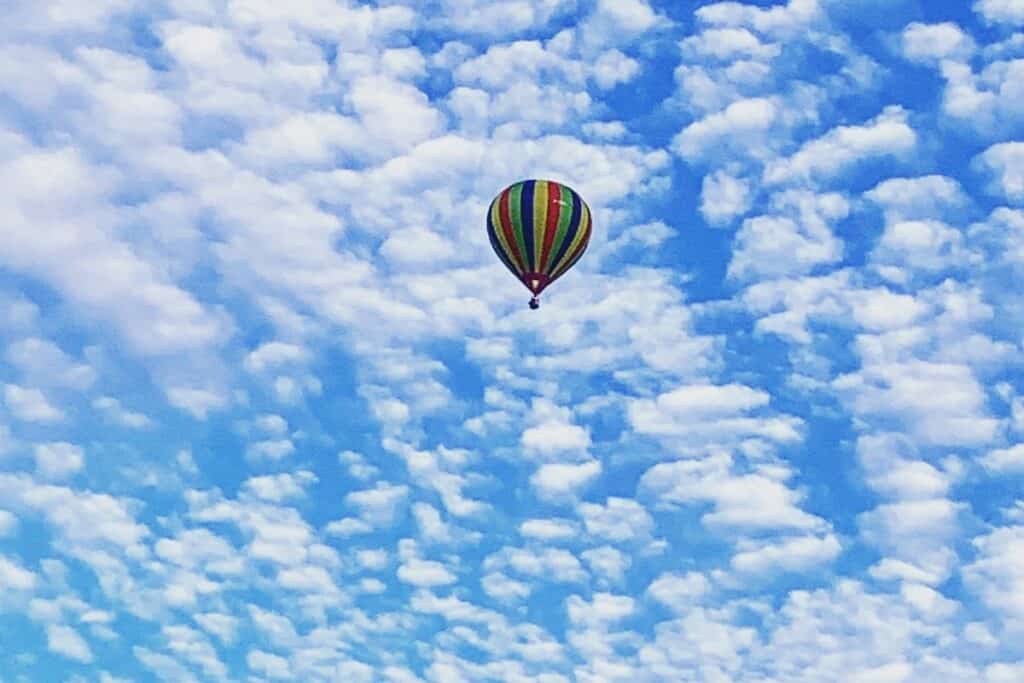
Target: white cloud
[703, 414]
[425, 573]
[66, 641]
[607, 563]
[308, 579]
[1005, 459]
[895, 672]
[59, 188]
[940, 403]
[927, 42]
[311, 139]
[616, 22]
[8, 523]
[58, 460]
[605, 130]
[888, 134]
[516, 62]
[270, 449]
[645, 235]
[1004, 234]
[6, 440]
[501, 587]
[273, 425]
[285, 180]
[848, 632]
[112, 407]
[931, 604]
[43, 363]
[679, 592]
[881, 310]
[549, 529]
[794, 244]
[280, 487]
[1001, 11]
[21, 314]
[779, 20]
[712, 400]
[276, 535]
[605, 608]
[357, 465]
[555, 436]
[200, 549]
[373, 586]
[613, 67]
[914, 533]
[107, 678]
[917, 198]
[786, 306]
[997, 573]
[1003, 673]
[404, 62]
[272, 355]
[379, 506]
[922, 245]
[348, 526]
[372, 559]
[418, 245]
[724, 197]
[359, 27]
[66, 15]
[277, 628]
[84, 520]
[902, 479]
[554, 481]
[977, 633]
[545, 564]
[30, 405]
[14, 577]
[797, 554]
[618, 520]
[967, 98]
[224, 626]
[742, 501]
[432, 527]
[195, 401]
[193, 646]
[729, 44]
[743, 125]
[440, 471]
[500, 19]
[1005, 160]
[268, 664]
[395, 116]
[529, 107]
[701, 639]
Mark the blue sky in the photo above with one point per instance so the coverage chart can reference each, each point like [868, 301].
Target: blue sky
[271, 409]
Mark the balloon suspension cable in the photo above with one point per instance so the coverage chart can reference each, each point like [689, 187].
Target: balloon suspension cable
[534, 304]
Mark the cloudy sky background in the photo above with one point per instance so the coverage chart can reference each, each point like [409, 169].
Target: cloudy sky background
[270, 408]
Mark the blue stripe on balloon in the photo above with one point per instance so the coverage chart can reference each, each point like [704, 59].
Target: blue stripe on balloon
[526, 215]
[492, 234]
[570, 234]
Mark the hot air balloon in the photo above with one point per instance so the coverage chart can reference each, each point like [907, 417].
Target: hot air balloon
[539, 229]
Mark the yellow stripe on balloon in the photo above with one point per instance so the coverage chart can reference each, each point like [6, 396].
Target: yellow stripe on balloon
[500, 232]
[577, 242]
[540, 220]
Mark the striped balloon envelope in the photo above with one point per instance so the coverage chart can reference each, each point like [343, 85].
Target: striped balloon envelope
[539, 229]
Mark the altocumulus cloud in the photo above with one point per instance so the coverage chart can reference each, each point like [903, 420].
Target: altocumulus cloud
[270, 408]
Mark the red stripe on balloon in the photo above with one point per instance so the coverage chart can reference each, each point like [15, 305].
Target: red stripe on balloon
[554, 213]
[506, 227]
